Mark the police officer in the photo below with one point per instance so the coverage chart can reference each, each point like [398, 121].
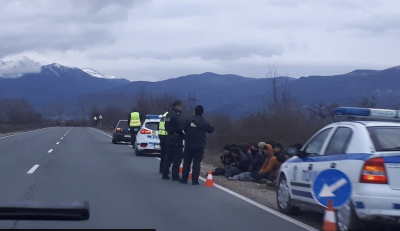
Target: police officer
[174, 125]
[195, 141]
[162, 133]
[134, 125]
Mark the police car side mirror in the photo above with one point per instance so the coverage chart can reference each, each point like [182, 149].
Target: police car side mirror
[292, 151]
[302, 154]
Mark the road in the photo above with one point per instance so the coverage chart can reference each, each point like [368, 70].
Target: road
[124, 191]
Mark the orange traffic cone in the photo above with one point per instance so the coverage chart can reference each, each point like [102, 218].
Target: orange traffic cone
[210, 181]
[181, 168]
[191, 174]
[330, 218]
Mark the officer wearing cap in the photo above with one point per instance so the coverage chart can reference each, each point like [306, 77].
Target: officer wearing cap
[195, 129]
[174, 125]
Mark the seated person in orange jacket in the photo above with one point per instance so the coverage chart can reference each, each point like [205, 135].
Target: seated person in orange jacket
[268, 170]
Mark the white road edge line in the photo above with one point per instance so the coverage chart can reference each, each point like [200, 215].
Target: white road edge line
[263, 207]
[33, 169]
[22, 133]
[50, 151]
[101, 132]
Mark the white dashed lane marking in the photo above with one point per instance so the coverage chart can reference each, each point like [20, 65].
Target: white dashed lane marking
[33, 169]
[50, 151]
[58, 143]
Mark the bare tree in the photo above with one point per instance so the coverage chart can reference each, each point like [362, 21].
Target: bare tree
[2, 107]
[368, 102]
[83, 107]
[280, 89]
[191, 101]
[324, 111]
[21, 112]
[2, 100]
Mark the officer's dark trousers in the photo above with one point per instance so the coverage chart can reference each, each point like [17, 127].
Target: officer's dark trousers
[134, 132]
[194, 154]
[163, 145]
[173, 155]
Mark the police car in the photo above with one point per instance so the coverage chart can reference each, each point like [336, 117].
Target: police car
[147, 140]
[367, 152]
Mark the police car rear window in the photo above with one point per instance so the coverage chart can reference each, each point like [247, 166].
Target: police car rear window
[152, 126]
[123, 124]
[385, 138]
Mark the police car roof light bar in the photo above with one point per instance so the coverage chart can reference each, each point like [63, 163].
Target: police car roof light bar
[371, 113]
[153, 117]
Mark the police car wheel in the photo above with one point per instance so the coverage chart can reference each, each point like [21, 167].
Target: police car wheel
[137, 151]
[114, 141]
[283, 197]
[347, 219]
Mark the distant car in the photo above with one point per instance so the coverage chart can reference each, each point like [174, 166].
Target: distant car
[122, 132]
[147, 140]
[367, 152]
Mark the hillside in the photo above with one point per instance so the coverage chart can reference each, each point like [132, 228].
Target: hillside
[229, 94]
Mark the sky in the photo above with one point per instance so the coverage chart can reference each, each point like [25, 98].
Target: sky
[155, 40]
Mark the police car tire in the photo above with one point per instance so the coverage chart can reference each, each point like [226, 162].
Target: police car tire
[114, 141]
[355, 222]
[290, 209]
[137, 151]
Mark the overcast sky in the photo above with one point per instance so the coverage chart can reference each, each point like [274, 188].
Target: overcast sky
[160, 39]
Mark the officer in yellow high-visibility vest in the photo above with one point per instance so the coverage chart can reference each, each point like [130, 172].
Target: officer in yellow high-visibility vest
[135, 122]
[162, 134]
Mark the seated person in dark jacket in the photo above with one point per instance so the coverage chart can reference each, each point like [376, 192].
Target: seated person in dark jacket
[258, 161]
[226, 160]
[241, 163]
[245, 148]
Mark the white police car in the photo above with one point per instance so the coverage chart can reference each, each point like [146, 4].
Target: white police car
[147, 140]
[367, 152]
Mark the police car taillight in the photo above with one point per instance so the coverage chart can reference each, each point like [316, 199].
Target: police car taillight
[374, 172]
[145, 131]
[118, 129]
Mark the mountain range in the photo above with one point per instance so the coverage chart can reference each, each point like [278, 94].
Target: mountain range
[229, 94]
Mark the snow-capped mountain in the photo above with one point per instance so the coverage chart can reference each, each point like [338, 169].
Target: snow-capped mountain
[98, 74]
[18, 66]
[43, 83]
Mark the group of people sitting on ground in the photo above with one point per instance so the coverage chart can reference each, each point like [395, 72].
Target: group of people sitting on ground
[253, 162]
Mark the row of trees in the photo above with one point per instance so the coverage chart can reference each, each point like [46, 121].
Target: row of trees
[17, 114]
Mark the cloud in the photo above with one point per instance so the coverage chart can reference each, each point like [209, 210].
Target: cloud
[17, 67]
[62, 25]
[207, 52]
[159, 39]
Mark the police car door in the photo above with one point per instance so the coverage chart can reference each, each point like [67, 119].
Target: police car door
[307, 168]
[335, 155]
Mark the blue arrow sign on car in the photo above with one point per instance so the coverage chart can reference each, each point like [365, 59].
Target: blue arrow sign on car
[328, 191]
[332, 185]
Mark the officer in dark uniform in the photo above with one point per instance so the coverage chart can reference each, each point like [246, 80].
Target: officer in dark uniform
[174, 125]
[195, 141]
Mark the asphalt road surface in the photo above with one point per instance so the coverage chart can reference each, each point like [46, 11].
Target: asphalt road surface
[124, 191]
